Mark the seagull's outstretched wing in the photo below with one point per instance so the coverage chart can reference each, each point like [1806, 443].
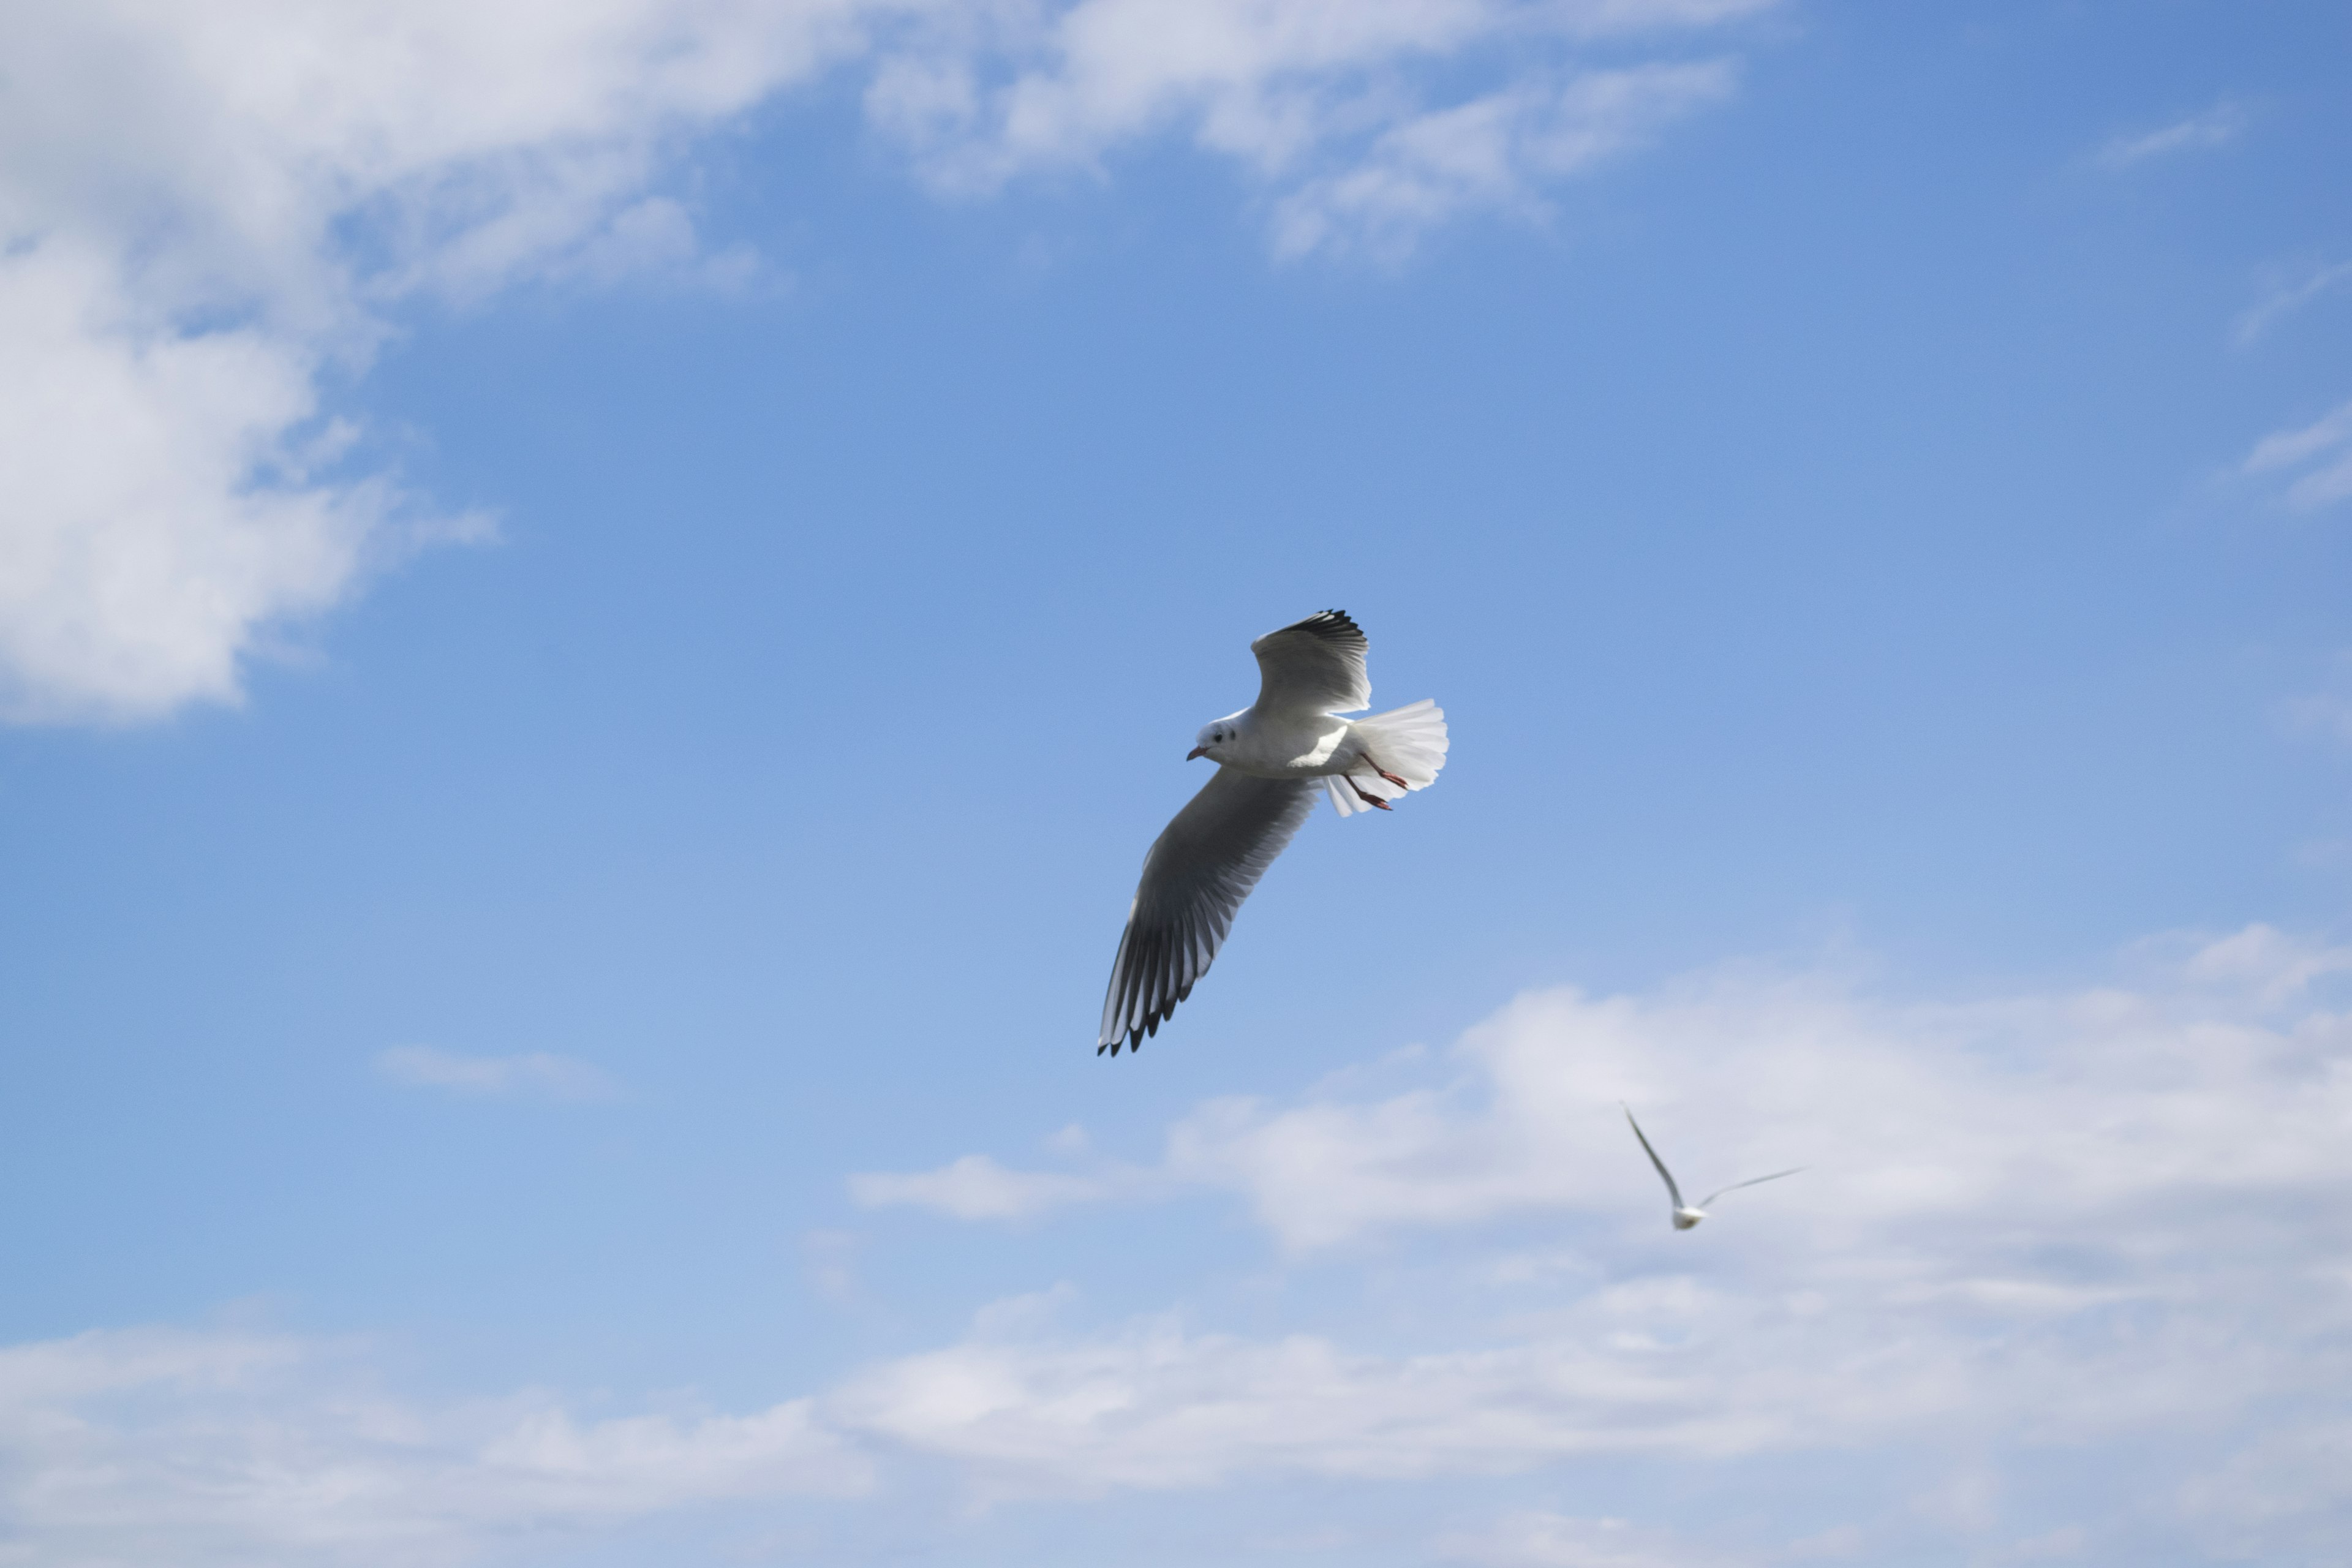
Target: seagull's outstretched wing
[1199, 871]
[1748, 1183]
[1314, 667]
[1672, 1191]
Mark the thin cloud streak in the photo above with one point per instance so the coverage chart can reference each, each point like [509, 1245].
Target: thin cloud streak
[977, 1187]
[2288, 299]
[2217, 127]
[535, 1075]
[2323, 449]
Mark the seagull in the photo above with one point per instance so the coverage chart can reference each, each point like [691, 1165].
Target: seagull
[1272, 758]
[1689, 1215]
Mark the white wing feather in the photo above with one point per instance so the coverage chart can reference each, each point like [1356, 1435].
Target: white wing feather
[1315, 665]
[1750, 1182]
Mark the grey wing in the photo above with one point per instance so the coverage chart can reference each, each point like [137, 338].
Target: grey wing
[1748, 1183]
[1672, 1191]
[1199, 871]
[1315, 665]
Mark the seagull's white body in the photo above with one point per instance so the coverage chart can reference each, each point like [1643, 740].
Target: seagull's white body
[1273, 759]
[1688, 1214]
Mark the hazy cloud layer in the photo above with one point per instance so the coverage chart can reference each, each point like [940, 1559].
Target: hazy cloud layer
[228, 1446]
[208, 212]
[1537, 1540]
[2039, 1229]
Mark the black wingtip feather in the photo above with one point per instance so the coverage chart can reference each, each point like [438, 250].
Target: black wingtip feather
[1332, 625]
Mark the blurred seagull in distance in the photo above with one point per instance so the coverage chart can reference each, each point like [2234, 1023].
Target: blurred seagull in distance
[1689, 1215]
[1272, 758]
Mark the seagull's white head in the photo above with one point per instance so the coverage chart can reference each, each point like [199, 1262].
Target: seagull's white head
[1686, 1219]
[1214, 737]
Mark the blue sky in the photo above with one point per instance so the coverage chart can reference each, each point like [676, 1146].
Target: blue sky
[599, 604]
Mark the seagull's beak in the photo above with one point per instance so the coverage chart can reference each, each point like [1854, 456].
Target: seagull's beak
[1196, 751]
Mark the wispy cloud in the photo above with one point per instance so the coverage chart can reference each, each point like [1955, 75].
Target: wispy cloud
[1318, 100]
[2321, 450]
[977, 1187]
[1496, 153]
[2326, 712]
[2285, 297]
[2217, 127]
[537, 1075]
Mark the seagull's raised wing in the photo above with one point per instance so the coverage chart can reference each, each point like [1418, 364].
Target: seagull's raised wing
[1672, 1191]
[1748, 1183]
[1314, 667]
[1199, 871]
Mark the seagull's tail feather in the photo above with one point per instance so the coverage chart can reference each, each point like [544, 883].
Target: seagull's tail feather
[1409, 741]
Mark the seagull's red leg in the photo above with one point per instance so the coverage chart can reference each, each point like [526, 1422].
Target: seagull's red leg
[1367, 798]
[1383, 772]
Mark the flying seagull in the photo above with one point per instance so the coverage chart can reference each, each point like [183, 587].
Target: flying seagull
[1689, 1215]
[1273, 759]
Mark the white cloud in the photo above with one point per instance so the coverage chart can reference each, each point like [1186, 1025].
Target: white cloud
[2265, 963]
[193, 1447]
[2217, 127]
[1314, 98]
[2323, 449]
[1157, 1407]
[1910, 1114]
[203, 209]
[537, 1074]
[2060, 1219]
[2094, 1227]
[160, 511]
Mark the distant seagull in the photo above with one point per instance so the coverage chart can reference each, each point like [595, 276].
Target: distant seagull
[1274, 757]
[1689, 1215]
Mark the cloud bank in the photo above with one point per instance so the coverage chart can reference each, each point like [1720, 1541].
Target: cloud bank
[213, 216]
[2099, 1230]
